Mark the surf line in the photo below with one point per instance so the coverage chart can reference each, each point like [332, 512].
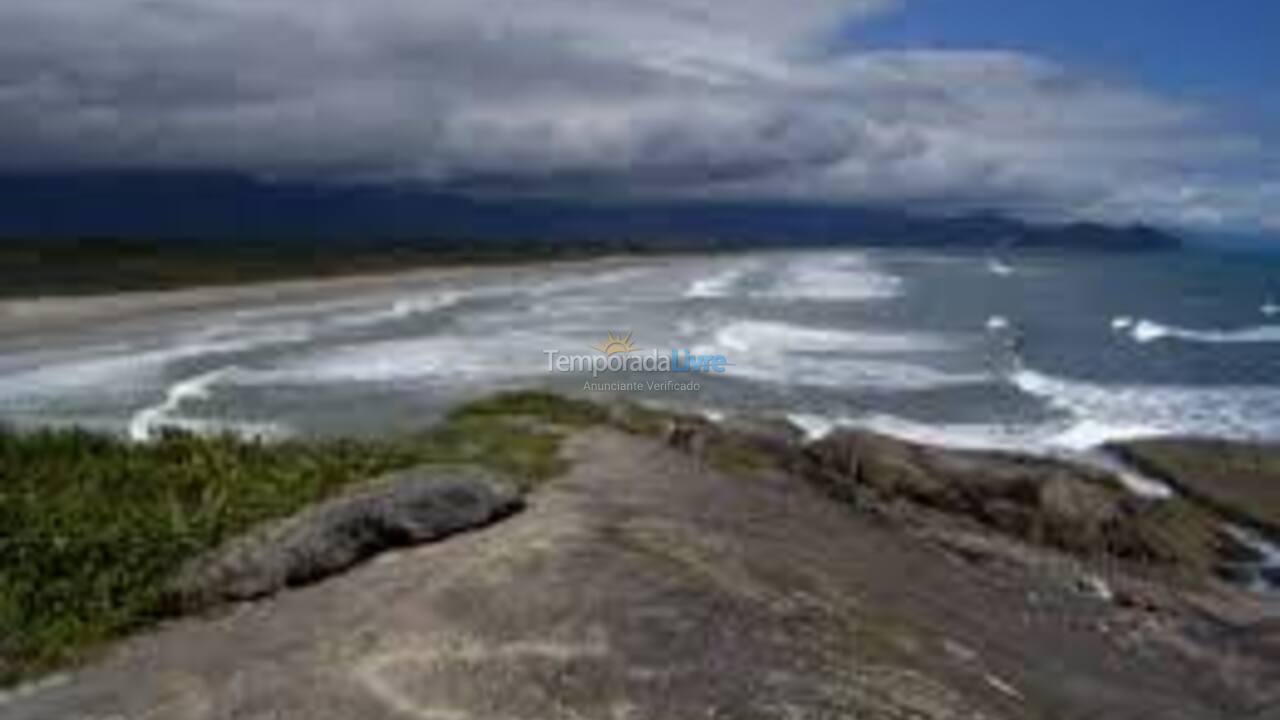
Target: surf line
[147, 423]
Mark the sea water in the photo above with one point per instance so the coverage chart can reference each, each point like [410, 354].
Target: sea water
[1047, 350]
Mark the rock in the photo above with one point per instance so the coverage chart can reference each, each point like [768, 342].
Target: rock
[690, 434]
[1050, 502]
[1002, 488]
[1077, 514]
[404, 509]
[778, 438]
[851, 462]
[1240, 481]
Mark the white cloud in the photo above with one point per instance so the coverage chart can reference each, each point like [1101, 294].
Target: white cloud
[692, 97]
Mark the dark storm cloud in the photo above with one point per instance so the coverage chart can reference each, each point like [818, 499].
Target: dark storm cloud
[687, 97]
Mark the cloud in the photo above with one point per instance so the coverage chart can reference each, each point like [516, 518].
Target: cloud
[698, 98]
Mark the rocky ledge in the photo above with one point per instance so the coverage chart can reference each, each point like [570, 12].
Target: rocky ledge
[1054, 503]
[1047, 502]
[686, 569]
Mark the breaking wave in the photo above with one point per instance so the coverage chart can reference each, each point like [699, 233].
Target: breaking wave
[843, 278]
[1101, 413]
[720, 285]
[998, 324]
[780, 353]
[750, 336]
[1147, 331]
[401, 309]
[147, 424]
[998, 267]
[451, 358]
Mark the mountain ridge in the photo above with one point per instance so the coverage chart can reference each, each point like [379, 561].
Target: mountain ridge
[230, 208]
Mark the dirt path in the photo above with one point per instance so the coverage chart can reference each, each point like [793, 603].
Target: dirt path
[640, 586]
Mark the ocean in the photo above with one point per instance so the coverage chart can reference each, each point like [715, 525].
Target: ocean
[1034, 351]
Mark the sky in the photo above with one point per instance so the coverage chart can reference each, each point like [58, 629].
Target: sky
[1160, 111]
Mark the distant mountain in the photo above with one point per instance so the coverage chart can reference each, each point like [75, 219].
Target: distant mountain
[223, 208]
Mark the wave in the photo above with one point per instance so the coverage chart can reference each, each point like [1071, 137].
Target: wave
[998, 324]
[148, 422]
[785, 354]
[999, 268]
[447, 358]
[98, 369]
[1147, 331]
[975, 436]
[839, 373]
[124, 367]
[1270, 308]
[1266, 566]
[1099, 413]
[846, 278]
[720, 285]
[751, 336]
[401, 309]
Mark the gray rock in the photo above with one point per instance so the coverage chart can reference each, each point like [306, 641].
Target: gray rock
[1238, 480]
[1077, 514]
[1047, 501]
[404, 509]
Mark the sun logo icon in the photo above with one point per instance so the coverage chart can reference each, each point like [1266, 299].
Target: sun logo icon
[617, 345]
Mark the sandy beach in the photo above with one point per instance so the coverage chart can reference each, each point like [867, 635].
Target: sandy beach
[41, 315]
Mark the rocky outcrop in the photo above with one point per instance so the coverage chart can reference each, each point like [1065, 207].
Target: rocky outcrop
[1044, 501]
[408, 508]
[645, 583]
[1238, 480]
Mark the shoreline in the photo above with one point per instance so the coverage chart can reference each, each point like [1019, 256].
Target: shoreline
[37, 315]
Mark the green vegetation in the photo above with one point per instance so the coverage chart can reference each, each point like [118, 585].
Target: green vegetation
[91, 526]
[104, 265]
[518, 433]
[735, 457]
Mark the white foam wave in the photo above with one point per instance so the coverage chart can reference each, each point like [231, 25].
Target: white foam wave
[720, 285]
[1270, 308]
[751, 336]
[999, 268]
[844, 278]
[1147, 331]
[998, 323]
[779, 353]
[1268, 561]
[147, 423]
[573, 280]
[99, 369]
[451, 358]
[400, 309]
[807, 371]
[1122, 323]
[1101, 413]
[846, 373]
[814, 427]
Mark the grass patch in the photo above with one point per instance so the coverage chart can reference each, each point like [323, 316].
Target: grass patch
[734, 457]
[92, 526]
